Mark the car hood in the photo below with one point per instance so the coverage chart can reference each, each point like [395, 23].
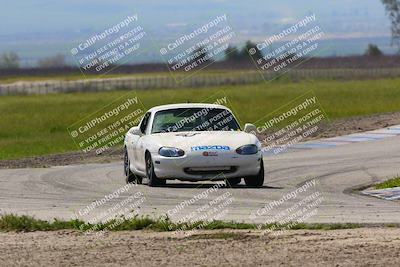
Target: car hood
[188, 140]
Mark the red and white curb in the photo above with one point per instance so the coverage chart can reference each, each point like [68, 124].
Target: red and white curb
[387, 194]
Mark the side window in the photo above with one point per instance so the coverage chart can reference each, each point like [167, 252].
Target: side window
[145, 122]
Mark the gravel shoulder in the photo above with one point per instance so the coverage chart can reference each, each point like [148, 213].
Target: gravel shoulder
[335, 128]
[356, 247]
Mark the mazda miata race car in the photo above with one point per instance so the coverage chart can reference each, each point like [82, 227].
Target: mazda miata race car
[192, 142]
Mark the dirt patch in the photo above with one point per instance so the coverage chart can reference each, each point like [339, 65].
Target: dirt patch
[359, 124]
[336, 128]
[357, 247]
[70, 158]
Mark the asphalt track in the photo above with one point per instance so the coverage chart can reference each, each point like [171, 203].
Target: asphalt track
[64, 191]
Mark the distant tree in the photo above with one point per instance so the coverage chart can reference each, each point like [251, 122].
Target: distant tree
[232, 54]
[200, 55]
[9, 61]
[373, 50]
[393, 11]
[251, 48]
[56, 61]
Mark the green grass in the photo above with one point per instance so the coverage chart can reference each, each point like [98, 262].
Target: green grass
[11, 222]
[395, 182]
[37, 124]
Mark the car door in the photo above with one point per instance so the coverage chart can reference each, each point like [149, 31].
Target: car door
[139, 147]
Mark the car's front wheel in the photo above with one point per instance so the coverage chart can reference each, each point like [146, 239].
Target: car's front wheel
[130, 177]
[256, 180]
[151, 175]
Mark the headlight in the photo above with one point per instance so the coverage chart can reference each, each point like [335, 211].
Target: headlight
[247, 150]
[171, 152]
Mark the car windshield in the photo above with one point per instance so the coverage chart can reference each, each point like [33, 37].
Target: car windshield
[194, 119]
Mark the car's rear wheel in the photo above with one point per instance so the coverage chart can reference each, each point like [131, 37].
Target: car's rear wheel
[256, 180]
[130, 177]
[151, 175]
[233, 181]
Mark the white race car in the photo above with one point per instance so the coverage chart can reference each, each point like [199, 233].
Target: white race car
[192, 142]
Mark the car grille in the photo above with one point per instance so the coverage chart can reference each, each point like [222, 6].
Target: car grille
[210, 170]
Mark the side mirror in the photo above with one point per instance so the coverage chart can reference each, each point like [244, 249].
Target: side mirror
[250, 128]
[135, 130]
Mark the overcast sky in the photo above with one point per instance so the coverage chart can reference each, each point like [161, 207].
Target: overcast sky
[74, 15]
[40, 28]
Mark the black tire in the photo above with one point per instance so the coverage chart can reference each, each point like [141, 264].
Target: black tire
[151, 175]
[233, 181]
[256, 180]
[130, 177]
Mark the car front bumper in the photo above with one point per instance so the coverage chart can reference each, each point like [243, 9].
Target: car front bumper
[196, 167]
